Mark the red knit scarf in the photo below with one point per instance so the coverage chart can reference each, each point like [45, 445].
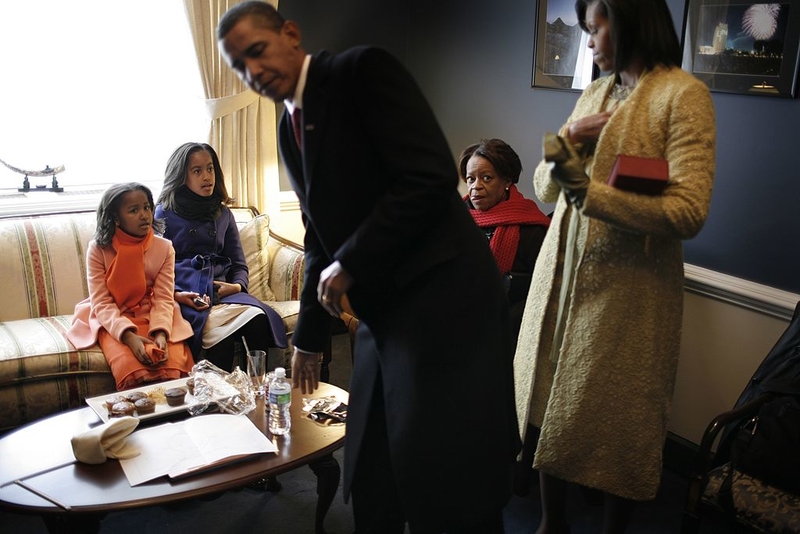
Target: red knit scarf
[125, 278]
[507, 216]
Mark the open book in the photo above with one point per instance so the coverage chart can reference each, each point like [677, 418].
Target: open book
[192, 445]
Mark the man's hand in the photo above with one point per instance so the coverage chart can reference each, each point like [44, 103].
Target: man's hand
[305, 370]
[334, 282]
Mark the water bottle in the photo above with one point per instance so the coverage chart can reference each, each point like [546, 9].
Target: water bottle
[280, 399]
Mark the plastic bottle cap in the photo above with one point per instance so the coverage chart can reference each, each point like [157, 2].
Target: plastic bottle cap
[280, 372]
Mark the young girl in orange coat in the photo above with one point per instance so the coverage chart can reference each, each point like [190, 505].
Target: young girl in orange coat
[131, 310]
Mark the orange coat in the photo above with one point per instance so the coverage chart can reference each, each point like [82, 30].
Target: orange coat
[99, 319]
[100, 311]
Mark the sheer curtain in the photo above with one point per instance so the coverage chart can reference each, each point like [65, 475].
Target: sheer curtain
[584, 64]
[243, 127]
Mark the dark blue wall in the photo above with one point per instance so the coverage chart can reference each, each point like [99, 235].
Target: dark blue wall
[473, 60]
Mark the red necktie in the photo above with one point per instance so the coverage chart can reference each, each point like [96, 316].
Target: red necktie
[297, 125]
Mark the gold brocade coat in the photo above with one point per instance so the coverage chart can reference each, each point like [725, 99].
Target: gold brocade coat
[603, 408]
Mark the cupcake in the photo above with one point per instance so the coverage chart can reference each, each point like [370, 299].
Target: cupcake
[122, 409]
[190, 385]
[134, 396]
[145, 406]
[175, 396]
[111, 401]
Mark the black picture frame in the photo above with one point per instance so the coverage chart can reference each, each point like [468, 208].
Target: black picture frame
[743, 47]
[560, 57]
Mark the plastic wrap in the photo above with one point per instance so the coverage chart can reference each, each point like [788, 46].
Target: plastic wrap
[214, 388]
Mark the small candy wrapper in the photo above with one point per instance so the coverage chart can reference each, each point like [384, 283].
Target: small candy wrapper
[325, 410]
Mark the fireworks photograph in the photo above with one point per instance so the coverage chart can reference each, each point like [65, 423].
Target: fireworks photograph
[744, 46]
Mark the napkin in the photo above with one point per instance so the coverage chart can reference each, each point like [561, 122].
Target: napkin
[105, 441]
[156, 355]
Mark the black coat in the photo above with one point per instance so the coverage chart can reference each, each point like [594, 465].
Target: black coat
[377, 187]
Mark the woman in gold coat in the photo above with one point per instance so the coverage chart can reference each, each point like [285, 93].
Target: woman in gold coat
[598, 349]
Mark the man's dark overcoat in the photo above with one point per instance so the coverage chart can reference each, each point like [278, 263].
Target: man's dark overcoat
[377, 187]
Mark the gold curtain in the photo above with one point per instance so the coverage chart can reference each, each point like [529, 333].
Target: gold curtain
[243, 127]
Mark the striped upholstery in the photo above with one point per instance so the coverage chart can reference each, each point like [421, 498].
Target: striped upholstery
[43, 265]
[42, 373]
[286, 273]
[43, 276]
[287, 264]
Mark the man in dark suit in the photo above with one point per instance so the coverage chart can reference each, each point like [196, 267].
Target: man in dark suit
[431, 431]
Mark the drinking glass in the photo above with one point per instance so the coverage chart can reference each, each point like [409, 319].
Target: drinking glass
[257, 370]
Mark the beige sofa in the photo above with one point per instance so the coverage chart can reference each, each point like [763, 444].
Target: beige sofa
[43, 276]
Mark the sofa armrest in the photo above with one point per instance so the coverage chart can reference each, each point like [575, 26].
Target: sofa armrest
[287, 266]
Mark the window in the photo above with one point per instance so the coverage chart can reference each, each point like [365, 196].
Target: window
[107, 89]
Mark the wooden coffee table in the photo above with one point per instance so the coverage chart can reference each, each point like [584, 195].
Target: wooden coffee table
[39, 474]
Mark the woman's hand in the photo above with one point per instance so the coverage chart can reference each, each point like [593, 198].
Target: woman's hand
[587, 129]
[569, 171]
[225, 289]
[192, 299]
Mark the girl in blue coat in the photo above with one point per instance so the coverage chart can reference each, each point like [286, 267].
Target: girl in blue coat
[211, 275]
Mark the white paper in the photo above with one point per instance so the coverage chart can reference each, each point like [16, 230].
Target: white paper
[176, 449]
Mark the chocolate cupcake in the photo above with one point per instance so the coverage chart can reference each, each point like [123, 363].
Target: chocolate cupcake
[122, 409]
[175, 396]
[145, 406]
[190, 385]
[134, 396]
[111, 401]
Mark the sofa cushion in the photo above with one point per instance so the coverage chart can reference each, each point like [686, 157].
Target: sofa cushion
[42, 373]
[755, 503]
[43, 264]
[254, 236]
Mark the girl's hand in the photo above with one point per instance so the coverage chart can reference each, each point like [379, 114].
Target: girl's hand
[225, 289]
[136, 343]
[160, 340]
[195, 300]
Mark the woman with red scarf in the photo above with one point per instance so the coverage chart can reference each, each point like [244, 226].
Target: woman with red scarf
[514, 225]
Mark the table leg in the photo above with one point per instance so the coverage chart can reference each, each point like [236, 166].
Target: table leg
[72, 523]
[328, 473]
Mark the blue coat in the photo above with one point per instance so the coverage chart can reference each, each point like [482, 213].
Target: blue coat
[206, 251]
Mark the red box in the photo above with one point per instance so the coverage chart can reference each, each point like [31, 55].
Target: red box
[648, 176]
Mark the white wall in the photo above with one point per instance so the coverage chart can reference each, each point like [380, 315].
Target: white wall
[723, 343]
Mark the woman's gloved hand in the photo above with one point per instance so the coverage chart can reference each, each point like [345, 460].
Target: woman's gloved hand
[568, 171]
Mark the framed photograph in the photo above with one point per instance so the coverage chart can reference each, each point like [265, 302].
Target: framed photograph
[743, 47]
[561, 59]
